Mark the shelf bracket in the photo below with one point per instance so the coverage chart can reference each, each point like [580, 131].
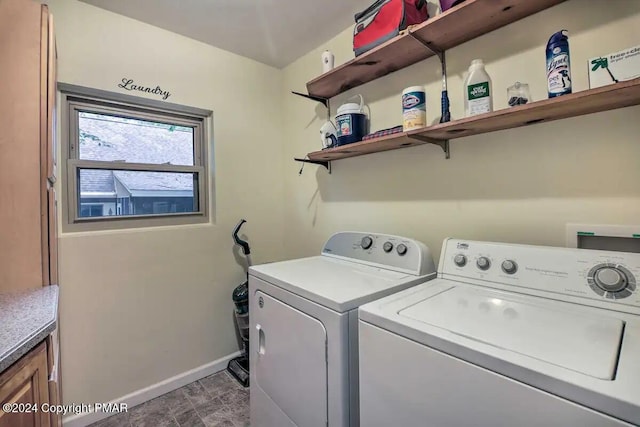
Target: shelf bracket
[446, 112]
[323, 101]
[326, 164]
[442, 143]
[436, 52]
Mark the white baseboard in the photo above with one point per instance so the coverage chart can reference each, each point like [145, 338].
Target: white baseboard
[144, 395]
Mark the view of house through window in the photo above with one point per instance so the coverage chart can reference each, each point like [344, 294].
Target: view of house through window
[133, 163]
[135, 193]
[105, 192]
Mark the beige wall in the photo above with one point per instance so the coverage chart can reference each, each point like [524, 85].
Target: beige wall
[138, 307]
[520, 185]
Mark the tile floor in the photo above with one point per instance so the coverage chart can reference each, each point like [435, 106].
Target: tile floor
[214, 401]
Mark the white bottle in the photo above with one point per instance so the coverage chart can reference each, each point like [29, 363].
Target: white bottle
[327, 61]
[478, 93]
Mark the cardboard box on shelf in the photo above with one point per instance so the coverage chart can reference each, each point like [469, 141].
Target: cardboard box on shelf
[614, 67]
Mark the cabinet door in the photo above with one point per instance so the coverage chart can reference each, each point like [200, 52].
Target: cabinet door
[45, 134]
[48, 149]
[52, 66]
[26, 383]
[53, 355]
[53, 235]
[20, 173]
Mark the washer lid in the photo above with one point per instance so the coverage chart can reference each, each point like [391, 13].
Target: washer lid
[337, 284]
[525, 327]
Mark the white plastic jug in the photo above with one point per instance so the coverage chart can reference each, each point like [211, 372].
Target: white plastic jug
[478, 91]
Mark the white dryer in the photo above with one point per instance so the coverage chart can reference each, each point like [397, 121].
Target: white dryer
[507, 335]
[304, 325]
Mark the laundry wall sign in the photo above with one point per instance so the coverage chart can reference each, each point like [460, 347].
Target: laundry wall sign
[129, 84]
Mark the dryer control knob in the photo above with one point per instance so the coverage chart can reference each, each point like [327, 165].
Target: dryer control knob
[483, 263]
[611, 279]
[460, 260]
[387, 247]
[509, 267]
[366, 242]
[402, 249]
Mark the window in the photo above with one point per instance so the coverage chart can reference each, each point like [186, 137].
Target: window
[131, 164]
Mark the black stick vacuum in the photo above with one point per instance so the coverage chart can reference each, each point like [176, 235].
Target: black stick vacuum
[239, 367]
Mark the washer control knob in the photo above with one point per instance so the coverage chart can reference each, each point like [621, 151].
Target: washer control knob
[387, 247]
[610, 279]
[402, 249]
[509, 267]
[366, 242]
[460, 260]
[483, 263]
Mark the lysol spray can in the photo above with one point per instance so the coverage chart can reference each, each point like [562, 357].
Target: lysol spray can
[558, 64]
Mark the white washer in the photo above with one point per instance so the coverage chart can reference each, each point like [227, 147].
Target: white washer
[304, 325]
[507, 335]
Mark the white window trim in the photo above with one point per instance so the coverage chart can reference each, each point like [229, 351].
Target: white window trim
[76, 98]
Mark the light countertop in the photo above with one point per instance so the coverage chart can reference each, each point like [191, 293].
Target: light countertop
[26, 319]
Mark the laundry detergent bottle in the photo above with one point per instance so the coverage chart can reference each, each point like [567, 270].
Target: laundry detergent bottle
[478, 93]
[558, 65]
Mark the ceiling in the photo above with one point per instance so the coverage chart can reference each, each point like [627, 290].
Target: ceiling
[275, 32]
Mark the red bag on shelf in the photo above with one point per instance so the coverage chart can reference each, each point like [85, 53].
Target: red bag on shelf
[384, 20]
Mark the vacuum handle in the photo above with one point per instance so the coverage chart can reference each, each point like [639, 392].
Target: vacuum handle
[242, 243]
[446, 114]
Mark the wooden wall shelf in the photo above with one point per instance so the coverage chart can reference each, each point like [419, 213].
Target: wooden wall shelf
[384, 143]
[462, 23]
[605, 98]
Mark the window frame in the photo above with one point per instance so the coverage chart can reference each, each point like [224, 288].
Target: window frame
[77, 99]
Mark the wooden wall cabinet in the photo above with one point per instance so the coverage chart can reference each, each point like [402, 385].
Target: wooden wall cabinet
[27, 383]
[28, 253]
[28, 223]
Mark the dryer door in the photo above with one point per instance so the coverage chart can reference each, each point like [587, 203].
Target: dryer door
[290, 348]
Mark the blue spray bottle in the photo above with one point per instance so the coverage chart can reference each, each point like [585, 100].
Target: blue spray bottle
[558, 64]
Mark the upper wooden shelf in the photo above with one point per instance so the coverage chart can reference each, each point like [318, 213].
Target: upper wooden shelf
[462, 23]
[605, 98]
